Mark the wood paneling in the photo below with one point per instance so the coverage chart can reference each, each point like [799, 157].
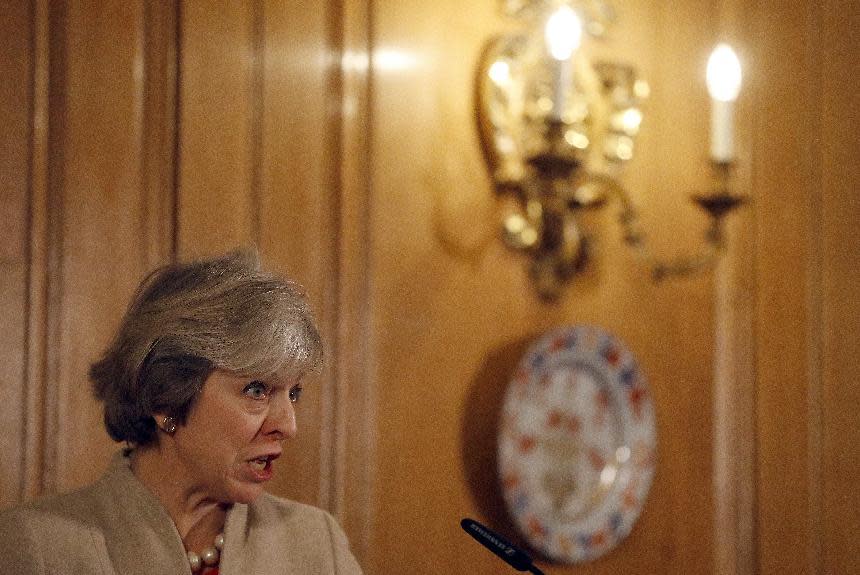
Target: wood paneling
[16, 102]
[88, 211]
[807, 327]
[339, 138]
[218, 205]
[98, 213]
[787, 335]
[356, 400]
[34, 407]
[160, 119]
[839, 290]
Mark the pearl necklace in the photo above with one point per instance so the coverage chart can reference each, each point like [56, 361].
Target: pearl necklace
[209, 557]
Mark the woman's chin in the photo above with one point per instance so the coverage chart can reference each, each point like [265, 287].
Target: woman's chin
[244, 492]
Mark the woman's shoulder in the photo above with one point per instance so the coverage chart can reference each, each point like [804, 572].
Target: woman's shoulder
[78, 505]
[35, 534]
[299, 533]
[93, 505]
[287, 513]
[295, 521]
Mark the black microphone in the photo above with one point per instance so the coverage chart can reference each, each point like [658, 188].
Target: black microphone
[514, 557]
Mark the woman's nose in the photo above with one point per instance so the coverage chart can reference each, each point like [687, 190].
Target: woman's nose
[281, 420]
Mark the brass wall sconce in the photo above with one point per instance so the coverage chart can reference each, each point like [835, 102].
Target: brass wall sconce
[557, 129]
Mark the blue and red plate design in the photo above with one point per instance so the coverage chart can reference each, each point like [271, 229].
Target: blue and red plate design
[577, 443]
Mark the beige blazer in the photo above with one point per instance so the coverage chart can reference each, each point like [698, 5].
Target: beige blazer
[117, 527]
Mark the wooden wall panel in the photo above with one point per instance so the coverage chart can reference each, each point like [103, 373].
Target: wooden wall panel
[218, 205]
[98, 210]
[160, 126]
[16, 101]
[339, 138]
[356, 406]
[808, 454]
[839, 57]
[788, 336]
[34, 408]
[87, 213]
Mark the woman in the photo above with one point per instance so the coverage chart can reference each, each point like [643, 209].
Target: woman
[201, 383]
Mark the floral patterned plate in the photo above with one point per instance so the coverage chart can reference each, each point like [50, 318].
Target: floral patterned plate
[577, 444]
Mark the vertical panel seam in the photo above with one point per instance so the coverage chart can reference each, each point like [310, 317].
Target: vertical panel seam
[369, 382]
[366, 318]
[354, 329]
[157, 119]
[334, 120]
[28, 432]
[57, 61]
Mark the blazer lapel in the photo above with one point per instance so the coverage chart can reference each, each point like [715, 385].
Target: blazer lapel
[140, 536]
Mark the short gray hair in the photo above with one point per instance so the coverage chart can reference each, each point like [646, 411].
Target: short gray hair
[188, 319]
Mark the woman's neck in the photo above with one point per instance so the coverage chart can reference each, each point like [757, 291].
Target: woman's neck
[197, 518]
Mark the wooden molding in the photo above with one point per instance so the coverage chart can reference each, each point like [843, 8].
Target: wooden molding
[31, 478]
[47, 240]
[160, 128]
[356, 405]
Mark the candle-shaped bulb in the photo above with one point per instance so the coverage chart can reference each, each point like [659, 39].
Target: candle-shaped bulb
[563, 34]
[724, 83]
[724, 74]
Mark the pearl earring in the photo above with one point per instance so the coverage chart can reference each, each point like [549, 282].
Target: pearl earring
[169, 425]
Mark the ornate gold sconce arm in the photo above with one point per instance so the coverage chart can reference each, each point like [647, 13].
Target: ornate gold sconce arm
[719, 202]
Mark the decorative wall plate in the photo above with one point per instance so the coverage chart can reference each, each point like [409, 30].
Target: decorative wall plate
[577, 444]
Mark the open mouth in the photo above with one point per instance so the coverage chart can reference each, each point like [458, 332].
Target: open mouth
[262, 463]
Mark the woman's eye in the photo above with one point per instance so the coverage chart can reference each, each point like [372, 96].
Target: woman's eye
[295, 393]
[256, 390]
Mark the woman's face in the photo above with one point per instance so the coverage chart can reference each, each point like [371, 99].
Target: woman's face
[233, 434]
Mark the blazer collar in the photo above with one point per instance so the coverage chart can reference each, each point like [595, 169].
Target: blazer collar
[145, 539]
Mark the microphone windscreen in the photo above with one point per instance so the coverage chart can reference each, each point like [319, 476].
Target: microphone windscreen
[497, 544]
